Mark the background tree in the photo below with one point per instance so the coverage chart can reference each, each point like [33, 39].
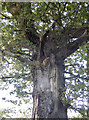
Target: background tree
[43, 36]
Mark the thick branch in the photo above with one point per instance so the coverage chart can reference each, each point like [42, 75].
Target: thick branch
[67, 48]
[73, 46]
[74, 32]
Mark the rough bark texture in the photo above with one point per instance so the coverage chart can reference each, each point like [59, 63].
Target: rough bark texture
[49, 80]
[48, 85]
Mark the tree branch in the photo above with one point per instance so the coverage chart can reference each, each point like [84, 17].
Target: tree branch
[75, 76]
[75, 32]
[73, 46]
[73, 65]
[5, 17]
[24, 60]
[8, 77]
[79, 110]
[68, 47]
[72, 74]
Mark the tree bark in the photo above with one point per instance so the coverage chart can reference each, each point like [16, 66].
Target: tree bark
[48, 88]
[49, 84]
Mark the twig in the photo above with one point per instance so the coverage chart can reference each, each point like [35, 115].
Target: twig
[5, 16]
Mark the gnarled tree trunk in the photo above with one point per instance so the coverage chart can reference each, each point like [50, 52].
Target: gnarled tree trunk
[48, 79]
[48, 85]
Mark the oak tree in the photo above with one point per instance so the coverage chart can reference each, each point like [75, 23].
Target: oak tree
[43, 36]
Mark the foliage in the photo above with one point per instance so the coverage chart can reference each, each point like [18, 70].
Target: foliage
[22, 24]
[76, 82]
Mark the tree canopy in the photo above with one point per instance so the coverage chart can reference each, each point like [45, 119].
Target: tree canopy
[23, 24]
